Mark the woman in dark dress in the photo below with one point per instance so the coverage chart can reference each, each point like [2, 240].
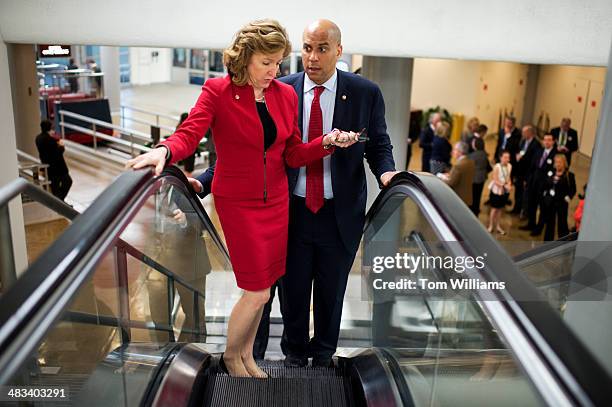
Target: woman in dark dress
[559, 189]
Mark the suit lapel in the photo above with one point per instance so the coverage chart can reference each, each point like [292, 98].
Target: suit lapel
[340, 105]
[299, 89]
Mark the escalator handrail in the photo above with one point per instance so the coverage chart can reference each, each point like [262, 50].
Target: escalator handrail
[570, 361]
[21, 186]
[548, 246]
[42, 293]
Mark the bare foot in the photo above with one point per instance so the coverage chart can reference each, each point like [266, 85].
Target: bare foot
[252, 368]
[234, 366]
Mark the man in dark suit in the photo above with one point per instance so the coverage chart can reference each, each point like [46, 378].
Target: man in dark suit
[51, 152]
[541, 166]
[323, 242]
[566, 139]
[528, 148]
[509, 139]
[426, 139]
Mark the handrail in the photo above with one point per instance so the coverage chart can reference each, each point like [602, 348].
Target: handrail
[546, 247]
[21, 186]
[101, 123]
[565, 356]
[38, 298]
[149, 112]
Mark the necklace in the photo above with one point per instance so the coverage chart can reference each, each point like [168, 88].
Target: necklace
[261, 99]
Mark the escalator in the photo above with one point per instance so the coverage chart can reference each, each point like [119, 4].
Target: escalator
[129, 307]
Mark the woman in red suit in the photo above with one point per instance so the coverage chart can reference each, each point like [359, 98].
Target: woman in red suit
[254, 121]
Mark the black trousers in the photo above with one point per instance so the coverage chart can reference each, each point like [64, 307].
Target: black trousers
[60, 185]
[519, 193]
[476, 195]
[425, 161]
[317, 259]
[555, 213]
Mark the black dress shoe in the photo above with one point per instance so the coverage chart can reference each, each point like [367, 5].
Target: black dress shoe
[535, 232]
[323, 362]
[525, 227]
[295, 361]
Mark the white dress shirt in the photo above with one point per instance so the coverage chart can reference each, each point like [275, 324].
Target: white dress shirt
[327, 101]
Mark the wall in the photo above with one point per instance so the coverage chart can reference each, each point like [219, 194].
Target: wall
[459, 87]
[8, 159]
[449, 83]
[147, 69]
[545, 31]
[24, 88]
[569, 91]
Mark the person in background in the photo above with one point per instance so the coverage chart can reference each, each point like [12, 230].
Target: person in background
[189, 162]
[566, 139]
[51, 152]
[97, 80]
[471, 128]
[73, 80]
[559, 189]
[508, 139]
[579, 210]
[500, 188]
[528, 148]
[541, 168]
[482, 168]
[461, 175]
[426, 139]
[440, 149]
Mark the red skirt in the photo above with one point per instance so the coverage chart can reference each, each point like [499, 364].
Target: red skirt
[256, 235]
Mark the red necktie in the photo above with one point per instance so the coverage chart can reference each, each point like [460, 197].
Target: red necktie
[314, 170]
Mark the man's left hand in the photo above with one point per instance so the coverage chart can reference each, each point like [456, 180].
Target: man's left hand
[386, 177]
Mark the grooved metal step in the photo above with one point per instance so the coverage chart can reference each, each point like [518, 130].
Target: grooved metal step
[295, 387]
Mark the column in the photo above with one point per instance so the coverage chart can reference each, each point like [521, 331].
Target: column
[394, 77]
[8, 160]
[589, 304]
[24, 89]
[109, 63]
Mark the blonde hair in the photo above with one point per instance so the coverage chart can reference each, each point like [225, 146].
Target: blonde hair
[563, 158]
[443, 130]
[473, 124]
[263, 36]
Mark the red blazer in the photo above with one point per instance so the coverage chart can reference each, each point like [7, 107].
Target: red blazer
[231, 113]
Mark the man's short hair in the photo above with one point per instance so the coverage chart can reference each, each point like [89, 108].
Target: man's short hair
[46, 125]
[462, 147]
[512, 119]
[482, 129]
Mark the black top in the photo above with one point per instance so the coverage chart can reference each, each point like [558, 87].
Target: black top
[51, 153]
[268, 125]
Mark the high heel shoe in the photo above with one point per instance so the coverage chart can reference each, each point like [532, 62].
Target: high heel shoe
[501, 231]
[490, 229]
[222, 366]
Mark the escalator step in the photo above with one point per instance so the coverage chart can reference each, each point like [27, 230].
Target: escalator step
[305, 387]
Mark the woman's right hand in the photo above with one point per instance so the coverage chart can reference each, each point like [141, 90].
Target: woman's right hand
[155, 157]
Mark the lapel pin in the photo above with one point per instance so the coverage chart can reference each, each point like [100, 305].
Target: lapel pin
[237, 97]
[343, 97]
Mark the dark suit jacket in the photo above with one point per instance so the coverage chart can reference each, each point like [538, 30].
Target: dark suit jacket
[359, 103]
[537, 175]
[51, 153]
[565, 187]
[512, 145]
[426, 139]
[524, 164]
[572, 141]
